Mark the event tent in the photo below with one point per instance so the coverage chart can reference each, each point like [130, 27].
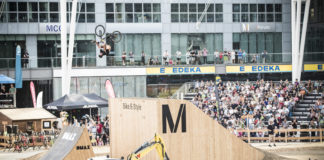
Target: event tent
[6, 80]
[77, 101]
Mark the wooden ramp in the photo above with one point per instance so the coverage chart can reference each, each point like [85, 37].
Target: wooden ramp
[188, 133]
[72, 143]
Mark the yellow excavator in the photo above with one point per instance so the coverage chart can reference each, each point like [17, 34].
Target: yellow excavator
[157, 143]
[147, 147]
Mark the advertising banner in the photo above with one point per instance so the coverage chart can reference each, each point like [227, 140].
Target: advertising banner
[258, 69]
[180, 70]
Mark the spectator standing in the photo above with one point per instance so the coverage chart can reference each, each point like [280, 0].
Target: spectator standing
[205, 54]
[216, 54]
[233, 56]
[12, 89]
[25, 59]
[178, 53]
[143, 57]
[199, 57]
[99, 127]
[151, 61]
[221, 55]
[264, 56]
[240, 56]
[156, 61]
[3, 90]
[124, 58]
[257, 58]
[131, 57]
[244, 57]
[225, 55]
[165, 57]
[294, 125]
[187, 57]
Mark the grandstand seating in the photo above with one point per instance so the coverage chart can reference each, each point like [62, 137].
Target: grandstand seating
[302, 109]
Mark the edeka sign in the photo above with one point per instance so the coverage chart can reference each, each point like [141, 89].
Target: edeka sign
[180, 70]
[313, 67]
[258, 69]
[54, 28]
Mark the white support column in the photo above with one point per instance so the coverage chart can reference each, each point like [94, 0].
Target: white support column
[298, 38]
[293, 31]
[303, 38]
[71, 46]
[63, 45]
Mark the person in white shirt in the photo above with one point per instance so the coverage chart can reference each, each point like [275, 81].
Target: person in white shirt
[233, 56]
[216, 54]
[205, 54]
[187, 57]
[178, 53]
[165, 57]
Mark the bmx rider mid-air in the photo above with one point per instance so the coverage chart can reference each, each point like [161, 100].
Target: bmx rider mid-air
[102, 44]
[104, 48]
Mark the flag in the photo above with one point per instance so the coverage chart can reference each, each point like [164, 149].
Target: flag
[18, 68]
[39, 101]
[110, 89]
[32, 91]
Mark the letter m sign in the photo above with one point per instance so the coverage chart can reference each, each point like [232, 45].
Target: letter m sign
[166, 117]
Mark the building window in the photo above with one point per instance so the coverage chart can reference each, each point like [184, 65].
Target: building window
[257, 13]
[133, 13]
[184, 12]
[45, 12]
[85, 12]
[278, 12]
[255, 43]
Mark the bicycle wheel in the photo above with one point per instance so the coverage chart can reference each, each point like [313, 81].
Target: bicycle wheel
[100, 30]
[116, 36]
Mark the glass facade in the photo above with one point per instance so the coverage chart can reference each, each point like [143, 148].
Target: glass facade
[133, 13]
[314, 48]
[127, 86]
[149, 43]
[48, 46]
[257, 12]
[184, 12]
[255, 43]
[8, 44]
[198, 41]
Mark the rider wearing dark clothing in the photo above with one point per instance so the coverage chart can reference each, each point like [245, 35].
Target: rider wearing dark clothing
[271, 128]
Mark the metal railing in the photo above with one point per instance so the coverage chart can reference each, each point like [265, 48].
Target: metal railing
[286, 135]
[210, 59]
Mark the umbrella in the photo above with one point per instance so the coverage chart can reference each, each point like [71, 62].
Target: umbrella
[77, 101]
[5, 80]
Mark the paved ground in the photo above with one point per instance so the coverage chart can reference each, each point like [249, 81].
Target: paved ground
[297, 151]
[32, 154]
[17, 156]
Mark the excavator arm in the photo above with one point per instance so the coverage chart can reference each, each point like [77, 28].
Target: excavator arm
[157, 144]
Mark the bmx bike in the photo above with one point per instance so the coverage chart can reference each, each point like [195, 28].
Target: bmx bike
[114, 37]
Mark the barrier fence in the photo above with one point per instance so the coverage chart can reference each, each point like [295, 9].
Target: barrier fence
[159, 60]
[310, 134]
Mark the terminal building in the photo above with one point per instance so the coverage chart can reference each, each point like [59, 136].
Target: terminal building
[154, 27]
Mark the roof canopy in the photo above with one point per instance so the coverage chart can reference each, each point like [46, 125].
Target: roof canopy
[5, 80]
[77, 101]
[27, 114]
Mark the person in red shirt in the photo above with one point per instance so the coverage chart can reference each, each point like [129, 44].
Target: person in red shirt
[99, 128]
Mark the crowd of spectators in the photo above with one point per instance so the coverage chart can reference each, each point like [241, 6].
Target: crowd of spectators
[196, 57]
[98, 130]
[242, 105]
